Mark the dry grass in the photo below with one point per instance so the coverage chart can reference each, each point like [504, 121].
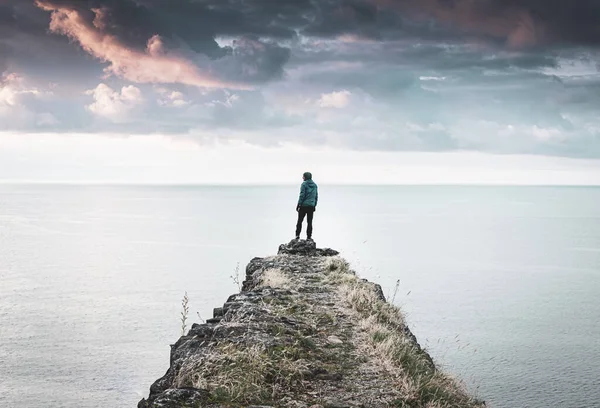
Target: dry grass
[276, 279]
[364, 299]
[338, 271]
[245, 374]
[337, 263]
[418, 381]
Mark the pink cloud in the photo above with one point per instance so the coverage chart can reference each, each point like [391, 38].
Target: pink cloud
[154, 65]
[515, 25]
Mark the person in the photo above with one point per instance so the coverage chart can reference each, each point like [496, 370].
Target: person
[307, 204]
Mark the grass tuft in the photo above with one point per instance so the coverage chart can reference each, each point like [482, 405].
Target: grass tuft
[239, 374]
[364, 299]
[275, 279]
[337, 263]
[338, 271]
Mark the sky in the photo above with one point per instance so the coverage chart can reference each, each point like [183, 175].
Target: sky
[255, 91]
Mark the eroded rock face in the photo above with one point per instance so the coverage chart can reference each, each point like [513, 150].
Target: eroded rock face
[304, 332]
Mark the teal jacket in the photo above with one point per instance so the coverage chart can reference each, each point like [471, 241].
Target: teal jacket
[309, 194]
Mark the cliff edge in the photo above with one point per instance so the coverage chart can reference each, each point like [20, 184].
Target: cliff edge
[305, 332]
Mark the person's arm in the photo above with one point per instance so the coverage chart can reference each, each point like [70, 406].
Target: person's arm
[302, 196]
[316, 197]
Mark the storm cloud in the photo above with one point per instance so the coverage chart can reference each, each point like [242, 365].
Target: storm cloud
[503, 76]
[513, 23]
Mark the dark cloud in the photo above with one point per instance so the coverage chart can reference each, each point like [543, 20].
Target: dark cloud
[253, 60]
[27, 48]
[197, 23]
[265, 34]
[350, 17]
[7, 22]
[7, 17]
[187, 29]
[517, 23]
[574, 22]
[262, 32]
[134, 23]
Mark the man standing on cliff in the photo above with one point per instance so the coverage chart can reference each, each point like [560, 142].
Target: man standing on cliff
[307, 204]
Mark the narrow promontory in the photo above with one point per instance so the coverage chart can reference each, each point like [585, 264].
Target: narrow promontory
[305, 332]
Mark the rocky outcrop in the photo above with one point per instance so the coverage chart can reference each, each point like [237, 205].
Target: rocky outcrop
[305, 248]
[304, 332]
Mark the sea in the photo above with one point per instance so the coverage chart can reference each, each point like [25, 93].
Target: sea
[500, 284]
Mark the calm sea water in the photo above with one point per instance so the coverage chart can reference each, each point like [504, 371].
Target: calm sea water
[502, 285]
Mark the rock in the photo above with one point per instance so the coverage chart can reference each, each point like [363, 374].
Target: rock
[293, 343]
[327, 252]
[334, 340]
[333, 403]
[218, 312]
[329, 377]
[201, 330]
[304, 248]
[175, 397]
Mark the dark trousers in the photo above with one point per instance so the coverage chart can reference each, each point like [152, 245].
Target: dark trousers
[305, 212]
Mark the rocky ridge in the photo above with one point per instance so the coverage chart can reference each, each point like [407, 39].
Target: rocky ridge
[304, 332]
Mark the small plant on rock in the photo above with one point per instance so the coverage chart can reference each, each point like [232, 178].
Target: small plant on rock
[236, 277]
[184, 313]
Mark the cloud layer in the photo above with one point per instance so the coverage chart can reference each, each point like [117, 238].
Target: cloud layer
[501, 76]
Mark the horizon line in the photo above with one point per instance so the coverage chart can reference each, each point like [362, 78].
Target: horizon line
[278, 184]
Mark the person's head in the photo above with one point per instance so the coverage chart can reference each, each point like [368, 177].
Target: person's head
[307, 176]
